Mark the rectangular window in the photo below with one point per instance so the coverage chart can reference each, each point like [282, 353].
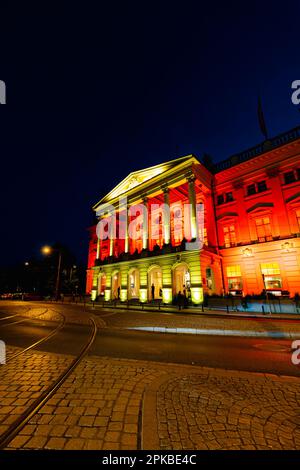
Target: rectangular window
[263, 229]
[234, 277]
[261, 186]
[203, 235]
[229, 197]
[271, 275]
[251, 189]
[229, 236]
[220, 199]
[289, 177]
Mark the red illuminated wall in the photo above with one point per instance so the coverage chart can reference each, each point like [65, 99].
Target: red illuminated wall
[252, 217]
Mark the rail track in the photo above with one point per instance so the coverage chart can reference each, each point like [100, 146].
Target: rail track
[38, 403]
[23, 319]
[15, 314]
[42, 340]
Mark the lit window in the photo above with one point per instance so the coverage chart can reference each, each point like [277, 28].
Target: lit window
[233, 271]
[234, 277]
[229, 236]
[263, 228]
[271, 275]
[203, 235]
[270, 268]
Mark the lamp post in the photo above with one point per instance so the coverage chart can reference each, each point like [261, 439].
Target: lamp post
[47, 250]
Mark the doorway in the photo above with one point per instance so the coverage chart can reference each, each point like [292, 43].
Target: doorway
[155, 280]
[133, 284]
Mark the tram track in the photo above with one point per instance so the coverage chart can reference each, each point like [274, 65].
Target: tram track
[23, 319]
[42, 340]
[15, 314]
[38, 403]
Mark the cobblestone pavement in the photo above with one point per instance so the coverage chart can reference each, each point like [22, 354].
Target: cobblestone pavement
[110, 403]
[24, 379]
[219, 410]
[127, 404]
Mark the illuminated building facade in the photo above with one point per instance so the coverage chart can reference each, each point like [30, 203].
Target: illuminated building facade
[251, 231]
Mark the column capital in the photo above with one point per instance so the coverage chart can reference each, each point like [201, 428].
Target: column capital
[190, 177]
[165, 188]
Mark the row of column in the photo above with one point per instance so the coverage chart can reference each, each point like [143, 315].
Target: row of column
[167, 223]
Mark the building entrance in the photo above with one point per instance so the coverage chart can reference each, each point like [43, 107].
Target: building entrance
[133, 284]
[155, 284]
[182, 280]
[116, 285]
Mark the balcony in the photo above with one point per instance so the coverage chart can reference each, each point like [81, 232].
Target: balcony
[145, 253]
[270, 144]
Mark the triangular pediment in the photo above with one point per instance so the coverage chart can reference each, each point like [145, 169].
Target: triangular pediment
[138, 178]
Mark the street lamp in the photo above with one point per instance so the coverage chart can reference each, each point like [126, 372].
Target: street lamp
[47, 250]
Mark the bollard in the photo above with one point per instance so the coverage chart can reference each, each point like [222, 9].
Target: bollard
[93, 306]
[263, 309]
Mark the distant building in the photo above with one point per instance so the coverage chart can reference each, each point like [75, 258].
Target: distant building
[251, 233]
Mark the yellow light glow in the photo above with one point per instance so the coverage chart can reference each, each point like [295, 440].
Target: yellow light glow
[197, 295]
[143, 295]
[107, 295]
[93, 295]
[123, 295]
[167, 295]
[46, 250]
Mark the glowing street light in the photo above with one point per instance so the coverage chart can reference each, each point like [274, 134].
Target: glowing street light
[47, 250]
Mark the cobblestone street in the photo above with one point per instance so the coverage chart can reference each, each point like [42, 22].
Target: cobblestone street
[117, 404]
[113, 403]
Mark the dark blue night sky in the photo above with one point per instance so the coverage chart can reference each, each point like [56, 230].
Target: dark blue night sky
[93, 94]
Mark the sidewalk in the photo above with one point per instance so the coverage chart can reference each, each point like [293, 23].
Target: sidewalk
[194, 311]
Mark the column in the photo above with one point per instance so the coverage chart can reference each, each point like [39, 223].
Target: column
[192, 202]
[107, 292]
[196, 281]
[166, 215]
[112, 234]
[145, 224]
[124, 284]
[167, 283]
[98, 248]
[143, 293]
[94, 290]
[123, 224]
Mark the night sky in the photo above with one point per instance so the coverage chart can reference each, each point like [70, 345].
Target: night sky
[93, 94]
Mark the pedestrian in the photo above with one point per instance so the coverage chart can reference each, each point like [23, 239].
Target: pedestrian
[180, 300]
[119, 293]
[152, 291]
